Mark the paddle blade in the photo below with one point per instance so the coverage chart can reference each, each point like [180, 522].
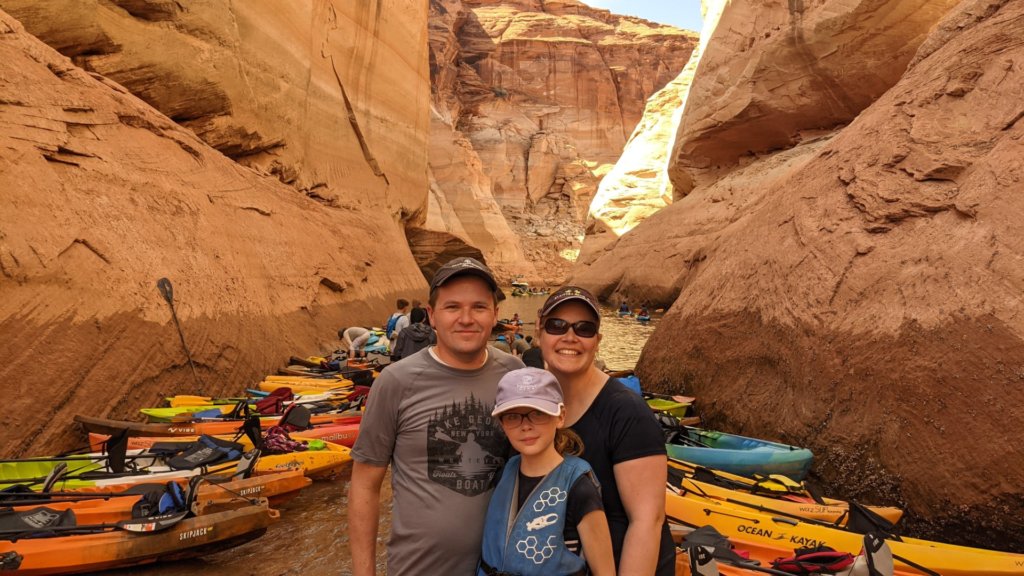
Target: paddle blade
[188, 400]
[879, 556]
[165, 288]
[702, 562]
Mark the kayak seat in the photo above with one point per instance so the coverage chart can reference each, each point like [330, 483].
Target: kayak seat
[207, 450]
[36, 519]
[160, 500]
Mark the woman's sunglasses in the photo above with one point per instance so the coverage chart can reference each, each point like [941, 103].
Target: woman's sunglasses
[583, 328]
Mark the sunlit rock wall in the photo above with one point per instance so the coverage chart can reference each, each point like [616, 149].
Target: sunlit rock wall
[544, 94]
[101, 195]
[857, 291]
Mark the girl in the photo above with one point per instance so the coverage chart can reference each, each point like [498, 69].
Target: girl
[547, 497]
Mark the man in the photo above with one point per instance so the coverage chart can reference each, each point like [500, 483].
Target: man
[398, 320]
[415, 337]
[417, 304]
[354, 339]
[501, 343]
[429, 417]
[520, 345]
[533, 356]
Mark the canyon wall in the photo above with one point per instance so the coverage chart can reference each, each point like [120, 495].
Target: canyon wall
[265, 159]
[532, 103]
[329, 97]
[842, 259]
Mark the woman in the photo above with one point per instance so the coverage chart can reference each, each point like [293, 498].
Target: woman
[621, 439]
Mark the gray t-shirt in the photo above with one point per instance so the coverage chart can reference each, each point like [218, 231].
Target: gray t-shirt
[433, 424]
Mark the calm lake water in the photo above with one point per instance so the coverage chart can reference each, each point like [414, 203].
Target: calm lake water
[623, 337]
[312, 535]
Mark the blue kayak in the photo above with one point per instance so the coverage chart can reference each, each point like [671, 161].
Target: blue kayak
[739, 454]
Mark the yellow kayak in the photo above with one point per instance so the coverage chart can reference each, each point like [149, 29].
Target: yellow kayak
[758, 495]
[746, 524]
[319, 463]
[305, 385]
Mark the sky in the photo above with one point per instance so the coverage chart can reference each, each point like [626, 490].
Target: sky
[680, 13]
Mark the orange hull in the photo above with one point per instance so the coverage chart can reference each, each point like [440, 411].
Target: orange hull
[344, 434]
[189, 538]
[277, 487]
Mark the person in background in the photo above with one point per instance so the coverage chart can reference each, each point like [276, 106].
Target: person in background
[533, 356]
[572, 526]
[622, 441]
[415, 337]
[401, 321]
[501, 343]
[519, 344]
[354, 339]
[417, 304]
[428, 417]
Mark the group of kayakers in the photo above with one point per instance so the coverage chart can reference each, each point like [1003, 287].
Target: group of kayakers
[406, 332]
[585, 488]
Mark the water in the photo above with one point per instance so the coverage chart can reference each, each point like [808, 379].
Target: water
[623, 337]
[312, 535]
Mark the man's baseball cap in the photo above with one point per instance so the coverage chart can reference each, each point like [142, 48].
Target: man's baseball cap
[567, 293]
[529, 388]
[460, 267]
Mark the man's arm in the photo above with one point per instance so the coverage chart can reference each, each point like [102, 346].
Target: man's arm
[364, 516]
[641, 485]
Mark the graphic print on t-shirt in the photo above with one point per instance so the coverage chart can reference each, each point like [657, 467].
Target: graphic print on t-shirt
[464, 447]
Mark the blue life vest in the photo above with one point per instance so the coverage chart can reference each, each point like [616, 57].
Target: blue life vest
[531, 542]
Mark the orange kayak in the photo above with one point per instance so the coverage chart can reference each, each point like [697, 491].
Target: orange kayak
[117, 548]
[275, 492]
[342, 431]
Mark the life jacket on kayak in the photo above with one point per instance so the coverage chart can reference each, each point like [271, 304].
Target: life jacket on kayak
[532, 541]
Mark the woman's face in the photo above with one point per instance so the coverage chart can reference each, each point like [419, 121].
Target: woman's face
[569, 353]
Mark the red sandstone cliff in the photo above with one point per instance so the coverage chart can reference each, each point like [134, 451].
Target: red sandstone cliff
[858, 291]
[102, 195]
[532, 103]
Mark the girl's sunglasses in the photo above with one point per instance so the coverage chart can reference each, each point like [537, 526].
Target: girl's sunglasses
[583, 328]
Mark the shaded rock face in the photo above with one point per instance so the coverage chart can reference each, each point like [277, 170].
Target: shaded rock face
[432, 249]
[102, 195]
[859, 292]
[281, 88]
[536, 99]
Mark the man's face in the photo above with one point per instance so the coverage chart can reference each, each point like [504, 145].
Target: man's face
[463, 315]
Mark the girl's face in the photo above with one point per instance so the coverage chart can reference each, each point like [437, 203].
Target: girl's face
[530, 431]
[569, 353]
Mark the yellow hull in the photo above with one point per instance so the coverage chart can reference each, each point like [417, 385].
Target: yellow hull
[831, 511]
[305, 385]
[737, 522]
